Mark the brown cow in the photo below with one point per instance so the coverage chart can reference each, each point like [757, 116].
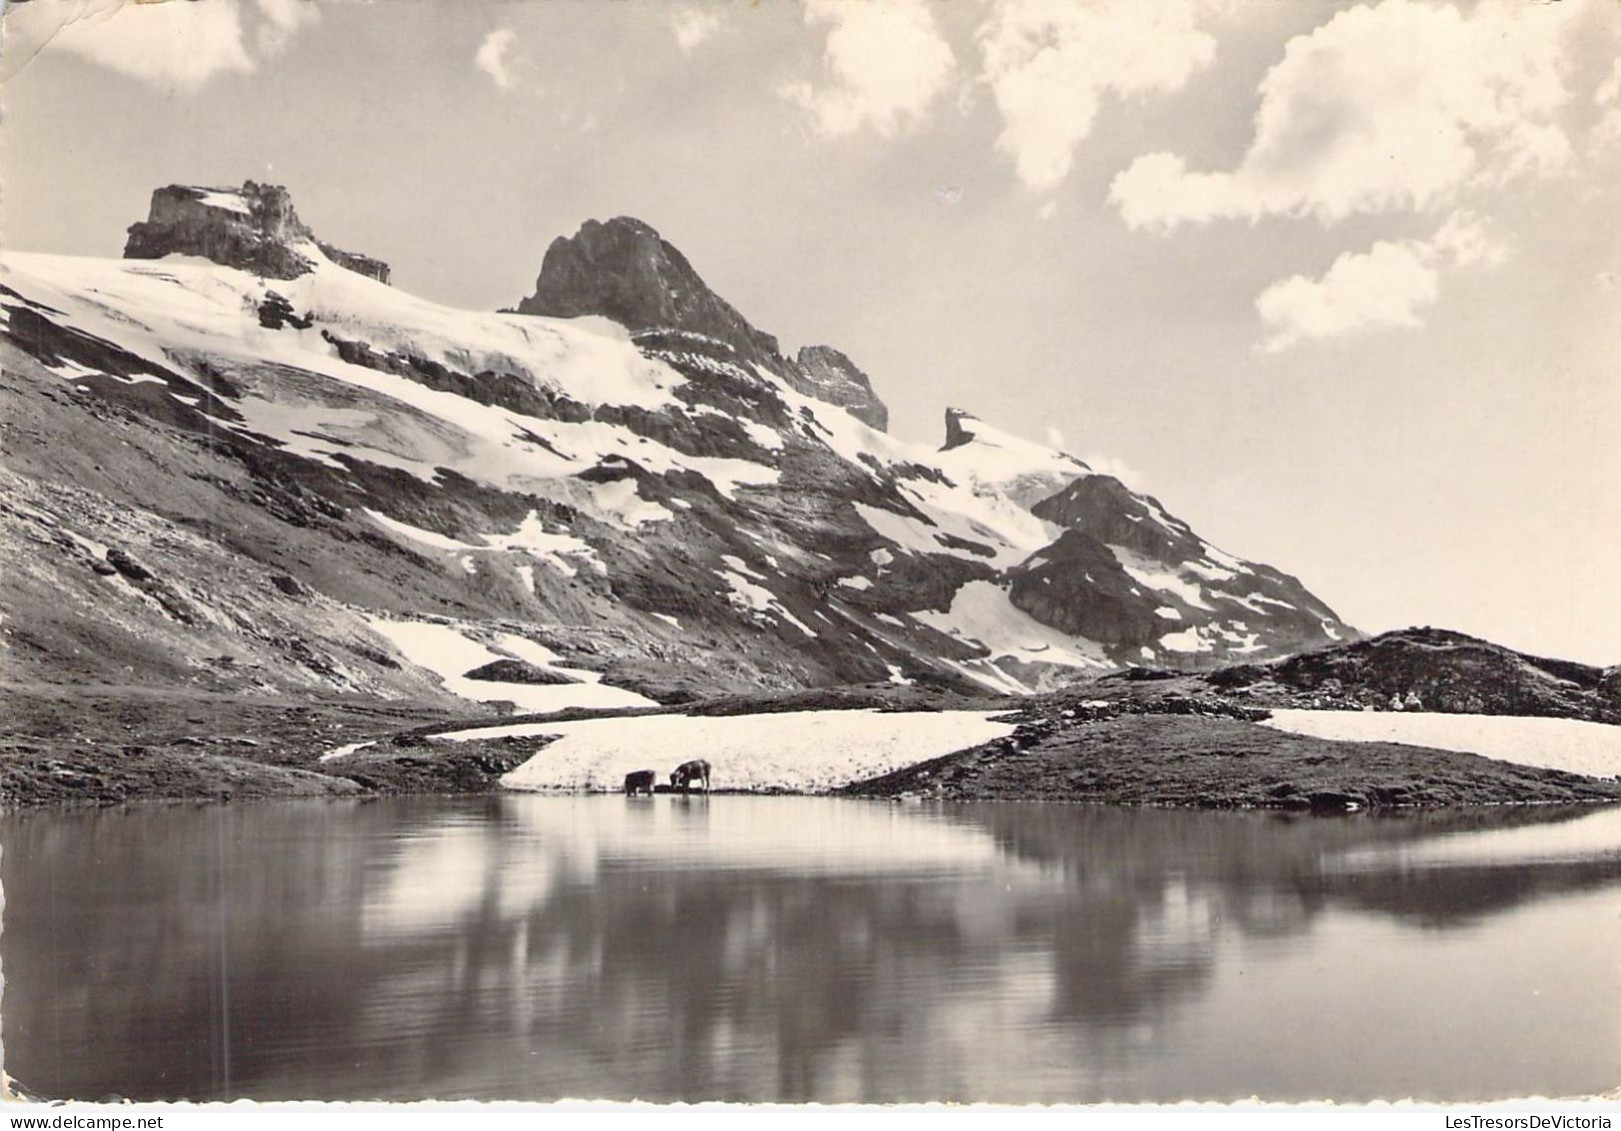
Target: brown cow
[639, 781]
[686, 773]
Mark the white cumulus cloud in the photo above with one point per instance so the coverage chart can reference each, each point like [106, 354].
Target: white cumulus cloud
[1105, 464]
[493, 57]
[693, 26]
[282, 20]
[1389, 286]
[1398, 106]
[885, 61]
[1049, 63]
[177, 46]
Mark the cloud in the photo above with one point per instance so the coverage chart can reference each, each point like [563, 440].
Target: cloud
[692, 26]
[1049, 62]
[493, 59]
[1608, 99]
[886, 63]
[1389, 286]
[1386, 108]
[1118, 468]
[1609, 91]
[177, 45]
[283, 19]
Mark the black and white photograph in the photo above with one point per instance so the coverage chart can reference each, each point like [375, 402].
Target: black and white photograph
[811, 552]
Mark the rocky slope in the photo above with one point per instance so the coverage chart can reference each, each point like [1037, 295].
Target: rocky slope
[1431, 669]
[270, 473]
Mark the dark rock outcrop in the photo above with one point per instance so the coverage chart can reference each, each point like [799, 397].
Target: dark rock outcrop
[624, 270]
[1436, 669]
[1126, 573]
[1077, 586]
[518, 671]
[253, 228]
[828, 375]
[957, 434]
[354, 261]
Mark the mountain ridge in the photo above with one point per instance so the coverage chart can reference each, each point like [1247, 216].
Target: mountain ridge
[665, 502]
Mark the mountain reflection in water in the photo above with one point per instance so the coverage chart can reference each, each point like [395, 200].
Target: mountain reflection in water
[759, 948]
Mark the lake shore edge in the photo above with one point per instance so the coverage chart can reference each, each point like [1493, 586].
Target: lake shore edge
[1138, 748]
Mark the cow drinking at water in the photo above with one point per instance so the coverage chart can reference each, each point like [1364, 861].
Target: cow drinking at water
[686, 773]
[639, 781]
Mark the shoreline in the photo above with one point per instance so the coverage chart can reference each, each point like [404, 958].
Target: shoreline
[1145, 747]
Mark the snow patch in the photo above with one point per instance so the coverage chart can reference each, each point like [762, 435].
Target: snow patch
[1147, 572]
[227, 200]
[345, 751]
[1188, 640]
[531, 537]
[1208, 571]
[416, 533]
[450, 652]
[994, 461]
[757, 600]
[981, 611]
[620, 499]
[740, 566]
[1254, 601]
[801, 751]
[1573, 745]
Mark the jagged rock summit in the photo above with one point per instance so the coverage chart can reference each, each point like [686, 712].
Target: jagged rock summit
[624, 270]
[253, 228]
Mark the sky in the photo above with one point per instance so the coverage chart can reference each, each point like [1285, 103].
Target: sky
[1339, 283]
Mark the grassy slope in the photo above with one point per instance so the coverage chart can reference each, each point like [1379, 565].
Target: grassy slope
[100, 745]
[1192, 760]
[1148, 744]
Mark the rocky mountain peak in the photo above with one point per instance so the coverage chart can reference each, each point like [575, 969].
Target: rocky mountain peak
[253, 228]
[960, 428]
[828, 375]
[624, 270]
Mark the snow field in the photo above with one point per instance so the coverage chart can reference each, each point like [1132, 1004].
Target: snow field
[449, 652]
[1573, 745]
[981, 611]
[798, 751]
[530, 537]
[152, 307]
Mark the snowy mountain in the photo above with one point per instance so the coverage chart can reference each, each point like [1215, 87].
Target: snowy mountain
[238, 459]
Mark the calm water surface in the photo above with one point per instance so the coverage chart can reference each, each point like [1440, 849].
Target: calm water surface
[758, 948]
